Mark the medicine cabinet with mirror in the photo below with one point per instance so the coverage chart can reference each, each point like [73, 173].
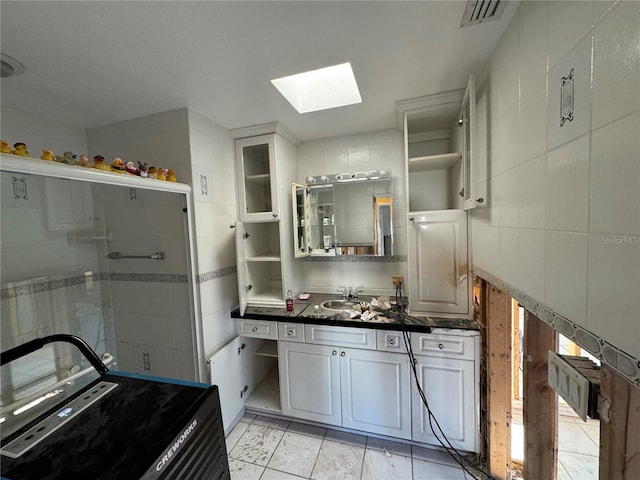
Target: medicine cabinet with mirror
[344, 214]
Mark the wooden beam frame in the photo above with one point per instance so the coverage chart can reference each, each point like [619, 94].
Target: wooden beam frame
[498, 333]
[540, 412]
[620, 433]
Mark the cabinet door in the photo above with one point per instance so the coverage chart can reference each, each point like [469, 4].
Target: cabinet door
[226, 373]
[301, 220]
[438, 279]
[375, 390]
[257, 178]
[449, 386]
[467, 119]
[310, 382]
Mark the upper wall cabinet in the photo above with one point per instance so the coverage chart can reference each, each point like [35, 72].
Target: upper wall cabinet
[439, 141]
[257, 179]
[265, 167]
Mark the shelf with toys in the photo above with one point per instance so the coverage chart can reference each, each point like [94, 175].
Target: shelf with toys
[67, 166]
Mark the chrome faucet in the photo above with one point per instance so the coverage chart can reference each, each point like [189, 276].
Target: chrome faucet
[349, 292]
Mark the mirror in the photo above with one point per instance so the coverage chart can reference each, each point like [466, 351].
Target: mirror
[344, 214]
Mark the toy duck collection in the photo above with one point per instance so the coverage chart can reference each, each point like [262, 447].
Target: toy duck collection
[47, 155]
[117, 165]
[20, 149]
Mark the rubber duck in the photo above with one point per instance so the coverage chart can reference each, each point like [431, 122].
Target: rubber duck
[117, 165]
[171, 176]
[84, 161]
[142, 169]
[98, 162]
[20, 149]
[130, 168]
[4, 147]
[162, 174]
[67, 157]
[47, 155]
[153, 172]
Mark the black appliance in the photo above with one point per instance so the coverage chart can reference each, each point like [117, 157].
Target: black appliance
[119, 426]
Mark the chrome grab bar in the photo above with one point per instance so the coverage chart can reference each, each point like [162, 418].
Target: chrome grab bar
[154, 256]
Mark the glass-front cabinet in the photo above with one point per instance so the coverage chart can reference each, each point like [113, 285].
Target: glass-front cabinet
[257, 179]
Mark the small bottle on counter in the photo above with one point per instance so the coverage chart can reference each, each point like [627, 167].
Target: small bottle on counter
[289, 301]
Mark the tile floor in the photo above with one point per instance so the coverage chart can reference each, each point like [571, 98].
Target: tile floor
[578, 445]
[262, 448]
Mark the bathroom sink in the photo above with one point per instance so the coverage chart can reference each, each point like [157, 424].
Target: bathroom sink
[338, 305]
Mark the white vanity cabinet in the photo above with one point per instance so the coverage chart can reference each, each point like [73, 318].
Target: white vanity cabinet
[265, 168]
[448, 372]
[359, 388]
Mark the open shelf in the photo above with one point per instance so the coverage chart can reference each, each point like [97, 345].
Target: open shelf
[260, 179]
[266, 396]
[269, 297]
[433, 162]
[268, 349]
[267, 257]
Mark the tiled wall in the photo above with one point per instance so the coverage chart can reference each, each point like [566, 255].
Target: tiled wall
[214, 197]
[562, 222]
[49, 279]
[368, 151]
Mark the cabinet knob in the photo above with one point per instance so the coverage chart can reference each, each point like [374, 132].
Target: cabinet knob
[334, 353]
[392, 341]
[342, 354]
[290, 333]
[232, 226]
[441, 346]
[254, 329]
[480, 200]
[275, 215]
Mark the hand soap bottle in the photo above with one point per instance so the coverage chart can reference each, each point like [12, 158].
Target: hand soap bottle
[289, 301]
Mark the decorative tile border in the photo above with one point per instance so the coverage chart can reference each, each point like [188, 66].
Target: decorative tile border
[222, 272]
[621, 362]
[37, 287]
[29, 288]
[356, 258]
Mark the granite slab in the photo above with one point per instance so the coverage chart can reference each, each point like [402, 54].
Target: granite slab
[311, 311]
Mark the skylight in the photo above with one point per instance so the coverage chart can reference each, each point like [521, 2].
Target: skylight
[328, 87]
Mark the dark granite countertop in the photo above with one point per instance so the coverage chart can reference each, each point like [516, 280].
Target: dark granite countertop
[311, 311]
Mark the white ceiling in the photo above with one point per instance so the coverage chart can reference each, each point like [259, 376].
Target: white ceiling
[94, 63]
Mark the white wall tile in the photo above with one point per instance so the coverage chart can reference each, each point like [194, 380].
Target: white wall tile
[615, 177]
[568, 186]
[531, 262]
[578, 60]
[532, 191]
[533, 43]
[532, 133]
[509, 255]
[614, 289]
[566, 274]
[568, 21]
[601, 8]
[616, 64]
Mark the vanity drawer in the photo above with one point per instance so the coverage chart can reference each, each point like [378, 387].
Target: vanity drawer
[443, 345]
[390, 341]
[340, 336]
[257, 328]
[291, 332]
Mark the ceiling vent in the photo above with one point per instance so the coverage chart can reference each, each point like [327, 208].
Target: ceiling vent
[479, 11]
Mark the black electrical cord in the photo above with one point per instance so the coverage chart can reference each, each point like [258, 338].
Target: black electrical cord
[450, 449]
